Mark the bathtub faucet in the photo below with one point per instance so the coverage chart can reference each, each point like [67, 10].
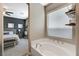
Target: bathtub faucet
[38, 44]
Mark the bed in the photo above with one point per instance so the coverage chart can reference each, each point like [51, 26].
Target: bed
[10, 39]
[11, 36]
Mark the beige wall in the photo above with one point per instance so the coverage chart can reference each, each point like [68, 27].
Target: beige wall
[77, 29]
[37, 21]
[1, 28]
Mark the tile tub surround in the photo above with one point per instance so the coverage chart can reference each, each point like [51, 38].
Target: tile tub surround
[48, 47]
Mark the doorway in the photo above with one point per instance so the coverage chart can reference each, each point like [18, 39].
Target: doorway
[15, 32]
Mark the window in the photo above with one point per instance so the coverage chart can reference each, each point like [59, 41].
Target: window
[20, 25]
[10, 25]
[56, 24]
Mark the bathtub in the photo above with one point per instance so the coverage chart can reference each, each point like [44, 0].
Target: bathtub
[49, 47]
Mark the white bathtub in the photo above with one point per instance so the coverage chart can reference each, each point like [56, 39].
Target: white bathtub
[48, 47]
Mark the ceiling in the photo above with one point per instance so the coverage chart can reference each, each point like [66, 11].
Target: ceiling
[20, 10]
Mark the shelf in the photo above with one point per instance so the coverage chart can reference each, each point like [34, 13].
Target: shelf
[71, 13]
[71, 24]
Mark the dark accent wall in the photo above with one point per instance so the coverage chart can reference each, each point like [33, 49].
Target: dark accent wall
[16, 21]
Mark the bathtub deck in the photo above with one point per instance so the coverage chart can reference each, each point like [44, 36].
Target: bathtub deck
[49, 47]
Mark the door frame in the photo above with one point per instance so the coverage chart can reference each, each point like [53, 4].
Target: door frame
[2, 28]
[29, 40]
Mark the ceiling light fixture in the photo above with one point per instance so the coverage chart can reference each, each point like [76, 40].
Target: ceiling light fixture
[44, 4]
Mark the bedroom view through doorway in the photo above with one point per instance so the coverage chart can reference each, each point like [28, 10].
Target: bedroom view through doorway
[15, 29]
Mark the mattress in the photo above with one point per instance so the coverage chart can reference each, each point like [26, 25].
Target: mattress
[10, 37]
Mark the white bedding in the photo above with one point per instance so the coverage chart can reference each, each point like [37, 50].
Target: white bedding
[11, 36]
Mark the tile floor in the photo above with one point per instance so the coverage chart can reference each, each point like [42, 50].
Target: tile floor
[18, 50]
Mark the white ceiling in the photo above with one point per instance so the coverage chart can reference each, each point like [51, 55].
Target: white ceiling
[20, 10]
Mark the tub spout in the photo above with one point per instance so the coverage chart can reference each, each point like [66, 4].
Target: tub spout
[38, 44]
